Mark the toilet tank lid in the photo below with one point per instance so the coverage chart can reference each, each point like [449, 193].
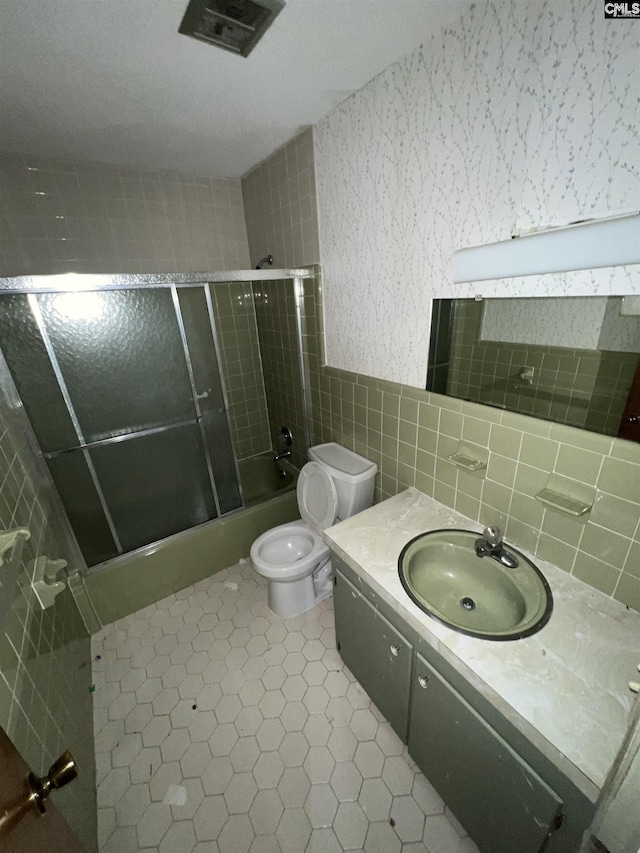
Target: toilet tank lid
[342, 463]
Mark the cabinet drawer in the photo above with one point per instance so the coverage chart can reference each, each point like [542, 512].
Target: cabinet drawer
[378, 655]
[499, 799]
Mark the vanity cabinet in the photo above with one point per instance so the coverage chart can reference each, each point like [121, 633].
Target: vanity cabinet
[376, 653]
[506, 794]
[500, 800]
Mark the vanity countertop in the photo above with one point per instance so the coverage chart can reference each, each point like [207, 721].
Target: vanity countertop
[565, 688]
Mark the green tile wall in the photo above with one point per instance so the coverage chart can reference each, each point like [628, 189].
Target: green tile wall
[234, 311]
[278, 335]
[45, 656]
[409, 433]
[585, 388]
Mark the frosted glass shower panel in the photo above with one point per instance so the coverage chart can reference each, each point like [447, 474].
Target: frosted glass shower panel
[27, 357]
[155, 485]
[198, 324]
[121, 357]
[73, 480]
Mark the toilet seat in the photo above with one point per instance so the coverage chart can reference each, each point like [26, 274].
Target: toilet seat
[317, 496]
[288, 552]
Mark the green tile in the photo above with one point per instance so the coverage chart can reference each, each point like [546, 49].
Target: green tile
[632, 566]
[448, 403]
[497, 496]
[556, 552]
[579, 464]
[484, 413]
[390, 446]
[628, 591]
[615, 514]
[581, 438]
[451, 424]
[427, 439]
[391, 404]
[444, 493]
[409, 410]
[628, 450]
[446, 472]
[424, 482]
[425, 463]
[538, 452]
[406, 476]
[605, 545]
[501, 470]
[476, 431]
[374, 420]
[529, 481]
[470, 483]
[467, 506]
[525, 424]
[620, 478]
[521, 534]
[374, 439]
[596, 573]
[505, 441]
[429, 416]
[407, 454]
[407, 432]
[561, 526]
[526, 509]
[489, 515]
[390, 425]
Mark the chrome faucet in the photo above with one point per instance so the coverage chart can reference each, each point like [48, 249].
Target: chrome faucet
[284, 455]
[490, 545]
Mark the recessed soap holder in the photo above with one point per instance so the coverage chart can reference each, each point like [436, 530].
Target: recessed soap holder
[563, 503]
[467, 458]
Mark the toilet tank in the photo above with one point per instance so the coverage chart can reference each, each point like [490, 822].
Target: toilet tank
[353, 476]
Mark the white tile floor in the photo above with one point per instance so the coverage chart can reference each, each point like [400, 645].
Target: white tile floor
[222, 728]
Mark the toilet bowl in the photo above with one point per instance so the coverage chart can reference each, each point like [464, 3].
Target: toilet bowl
[335, 484]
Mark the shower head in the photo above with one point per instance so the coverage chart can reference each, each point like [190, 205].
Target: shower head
[266, 260]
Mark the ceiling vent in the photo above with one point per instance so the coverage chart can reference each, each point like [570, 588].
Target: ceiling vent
[235, 25]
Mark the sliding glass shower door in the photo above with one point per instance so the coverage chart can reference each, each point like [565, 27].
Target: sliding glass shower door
[123, 389]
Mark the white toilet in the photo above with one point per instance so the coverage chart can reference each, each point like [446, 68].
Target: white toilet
[334, 485]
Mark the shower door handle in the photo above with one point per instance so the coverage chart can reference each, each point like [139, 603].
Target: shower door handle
[203, 395]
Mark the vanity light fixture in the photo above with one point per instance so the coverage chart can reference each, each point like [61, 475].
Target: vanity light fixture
[580, 246]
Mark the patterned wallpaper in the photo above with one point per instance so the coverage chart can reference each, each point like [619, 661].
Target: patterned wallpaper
[521, 115]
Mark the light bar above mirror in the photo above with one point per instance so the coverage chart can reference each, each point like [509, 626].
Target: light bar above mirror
[586, 245]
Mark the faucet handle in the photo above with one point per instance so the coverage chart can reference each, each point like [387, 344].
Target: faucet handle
[493, 536]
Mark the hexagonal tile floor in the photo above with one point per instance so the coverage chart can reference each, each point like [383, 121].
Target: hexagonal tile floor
[223, 728]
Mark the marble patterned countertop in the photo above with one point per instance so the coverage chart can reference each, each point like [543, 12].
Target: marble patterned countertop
[565, 688]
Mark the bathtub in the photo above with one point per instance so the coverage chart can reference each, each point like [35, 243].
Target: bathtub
[262, 478]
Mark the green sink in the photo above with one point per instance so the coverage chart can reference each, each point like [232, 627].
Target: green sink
[441, 572]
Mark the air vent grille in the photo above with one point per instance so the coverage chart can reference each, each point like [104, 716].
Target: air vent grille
[235, 25]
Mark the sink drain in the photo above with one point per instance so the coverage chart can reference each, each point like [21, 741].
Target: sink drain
[467, 604]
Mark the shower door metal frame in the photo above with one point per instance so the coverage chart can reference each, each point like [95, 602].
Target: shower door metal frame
[83, 282]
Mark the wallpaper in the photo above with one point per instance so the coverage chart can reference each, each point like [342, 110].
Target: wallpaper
[521, 115]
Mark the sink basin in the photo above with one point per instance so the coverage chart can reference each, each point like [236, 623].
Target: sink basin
[441, 572]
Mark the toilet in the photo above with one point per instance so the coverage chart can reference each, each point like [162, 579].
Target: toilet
[335, 484]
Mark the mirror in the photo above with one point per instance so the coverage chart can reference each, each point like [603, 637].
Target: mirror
[572, 360]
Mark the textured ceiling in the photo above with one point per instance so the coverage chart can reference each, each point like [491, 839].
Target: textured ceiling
[112, 81]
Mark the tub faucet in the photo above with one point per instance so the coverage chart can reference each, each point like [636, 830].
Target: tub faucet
[284, 455]
[490, 545]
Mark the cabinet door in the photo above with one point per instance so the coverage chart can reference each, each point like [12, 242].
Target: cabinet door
[502, 803]
[378, 656]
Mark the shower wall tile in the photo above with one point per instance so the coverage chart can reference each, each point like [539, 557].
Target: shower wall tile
[278, 335]
[45, 655]
[235, 315]
[280, 205]
[60, 216]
